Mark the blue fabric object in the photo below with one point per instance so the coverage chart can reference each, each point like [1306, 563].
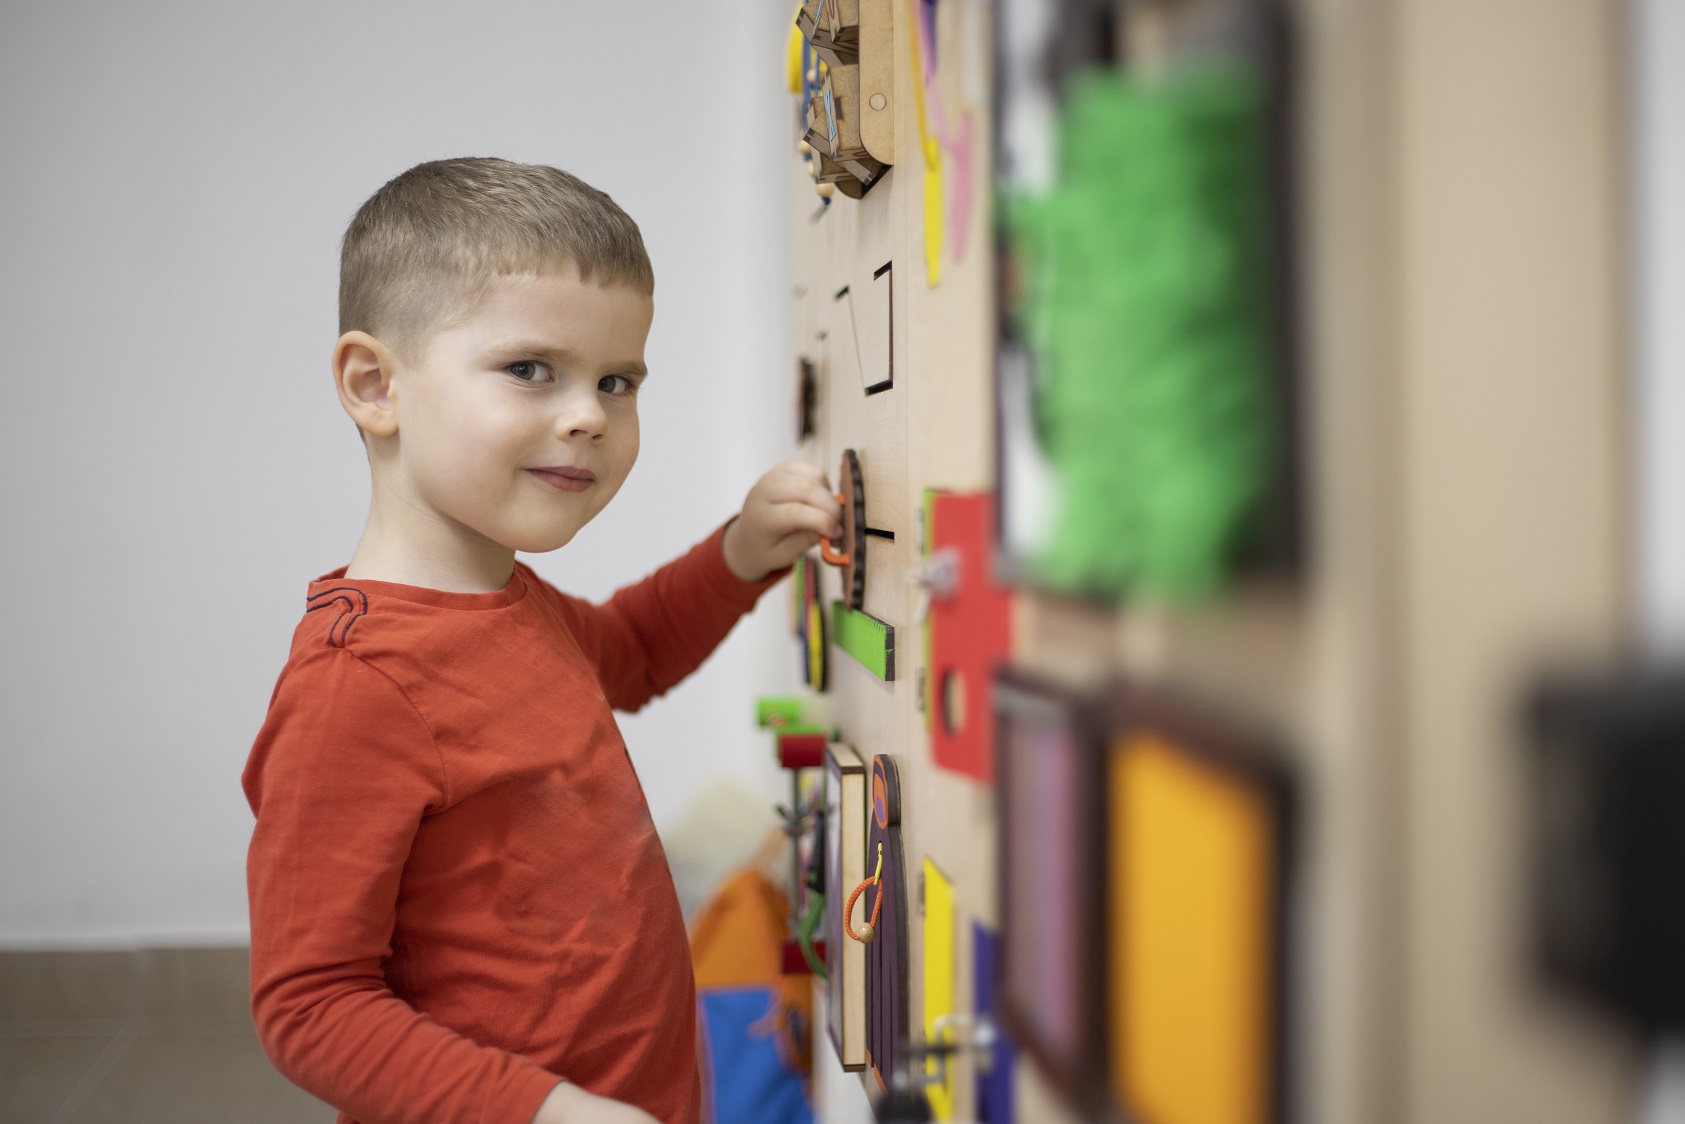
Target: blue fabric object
[749, 1080]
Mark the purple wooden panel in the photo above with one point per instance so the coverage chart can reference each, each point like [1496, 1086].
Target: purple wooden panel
[886, 956]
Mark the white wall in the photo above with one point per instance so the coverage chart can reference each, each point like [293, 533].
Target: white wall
[174, 466]
[1658, 146]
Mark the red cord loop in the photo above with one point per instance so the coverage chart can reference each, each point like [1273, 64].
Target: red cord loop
[870, 928]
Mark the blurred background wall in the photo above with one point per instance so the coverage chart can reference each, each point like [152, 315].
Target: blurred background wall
[174, 466]
[1657, 46]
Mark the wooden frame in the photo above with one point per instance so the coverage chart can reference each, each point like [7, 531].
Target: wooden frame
[1252, 767]
[1075, 1037]
[845, 858]
[1070, 725]
[1148, 33]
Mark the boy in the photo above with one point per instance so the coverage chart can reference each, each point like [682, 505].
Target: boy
[460, 910]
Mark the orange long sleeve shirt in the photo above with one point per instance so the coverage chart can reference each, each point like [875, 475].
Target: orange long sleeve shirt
[457, 894]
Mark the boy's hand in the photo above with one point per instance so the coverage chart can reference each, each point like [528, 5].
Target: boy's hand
[569, 1104]
[784, 515]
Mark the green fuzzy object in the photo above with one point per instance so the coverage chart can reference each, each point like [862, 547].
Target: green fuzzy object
[1145, 304]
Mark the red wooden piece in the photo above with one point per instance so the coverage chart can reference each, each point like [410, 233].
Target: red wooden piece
[794, 963]
[971, 631]
[801, 751]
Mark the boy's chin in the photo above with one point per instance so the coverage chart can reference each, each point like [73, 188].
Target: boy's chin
[540, 540]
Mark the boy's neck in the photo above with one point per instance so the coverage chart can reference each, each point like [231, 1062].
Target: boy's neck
[406, 546]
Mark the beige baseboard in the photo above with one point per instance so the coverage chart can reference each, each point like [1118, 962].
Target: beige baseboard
[52, 986]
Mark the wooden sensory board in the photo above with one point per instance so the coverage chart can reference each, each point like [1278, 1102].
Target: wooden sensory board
[1378, 684]
[941, 339]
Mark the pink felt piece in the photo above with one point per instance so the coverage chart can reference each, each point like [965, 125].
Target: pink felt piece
[955, 138]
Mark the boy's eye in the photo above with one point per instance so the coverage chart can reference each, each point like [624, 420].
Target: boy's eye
[527, 370]
[616, 384]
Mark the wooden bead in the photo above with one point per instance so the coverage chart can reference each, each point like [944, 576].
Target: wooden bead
[826, 190]
[865, 932]
[804, 148]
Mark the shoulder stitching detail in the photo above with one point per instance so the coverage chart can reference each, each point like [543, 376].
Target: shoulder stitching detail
[356, 604]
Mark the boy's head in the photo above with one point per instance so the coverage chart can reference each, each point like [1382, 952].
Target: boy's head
[423, 248]
[492, 319]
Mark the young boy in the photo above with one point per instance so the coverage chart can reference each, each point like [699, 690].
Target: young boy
[460, 910]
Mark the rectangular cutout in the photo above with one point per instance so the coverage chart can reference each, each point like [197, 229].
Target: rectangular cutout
[845, 861]
[871, 330]
[866, 638]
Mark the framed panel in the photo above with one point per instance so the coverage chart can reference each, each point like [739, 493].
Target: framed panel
[1047, 743]
[1149, 420]
[1197, 851]
[845, 857]
[1145, 850]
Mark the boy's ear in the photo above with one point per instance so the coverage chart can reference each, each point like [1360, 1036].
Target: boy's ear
[362, 373]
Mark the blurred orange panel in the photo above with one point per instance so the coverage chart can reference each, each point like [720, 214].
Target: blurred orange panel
[1190, 957]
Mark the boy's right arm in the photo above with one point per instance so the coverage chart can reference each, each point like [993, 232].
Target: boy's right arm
[339, 779]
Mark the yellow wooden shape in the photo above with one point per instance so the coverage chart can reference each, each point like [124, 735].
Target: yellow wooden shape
[934, 220]
[938, 976]
[793, 57]
[1191, 941]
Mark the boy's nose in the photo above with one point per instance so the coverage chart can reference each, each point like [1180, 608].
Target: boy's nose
[582, 417]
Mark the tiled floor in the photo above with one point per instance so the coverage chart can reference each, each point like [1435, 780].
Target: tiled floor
[159, 1036]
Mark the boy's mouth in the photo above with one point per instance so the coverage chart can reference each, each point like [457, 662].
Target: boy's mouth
[565, 478]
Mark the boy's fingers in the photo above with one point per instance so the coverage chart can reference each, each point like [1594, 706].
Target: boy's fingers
[801, 470]
[795, 544]
[793, 474]
[806, 517]
[796, 490]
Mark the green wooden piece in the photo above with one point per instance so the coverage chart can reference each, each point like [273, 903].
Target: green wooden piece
[780, 712]
[866, 638]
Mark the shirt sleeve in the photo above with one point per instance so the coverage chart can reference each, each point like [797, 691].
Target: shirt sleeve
[649, 636]
[339, 778]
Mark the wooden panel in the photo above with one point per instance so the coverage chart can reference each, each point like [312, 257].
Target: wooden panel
[1464, 498]
[1512, 493]
[877, 78]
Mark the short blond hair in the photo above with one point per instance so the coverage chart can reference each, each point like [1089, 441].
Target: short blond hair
[423, 248]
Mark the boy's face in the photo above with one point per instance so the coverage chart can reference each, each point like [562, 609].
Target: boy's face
[520, 422]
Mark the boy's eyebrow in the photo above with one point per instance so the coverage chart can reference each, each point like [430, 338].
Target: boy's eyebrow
[560, 355]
